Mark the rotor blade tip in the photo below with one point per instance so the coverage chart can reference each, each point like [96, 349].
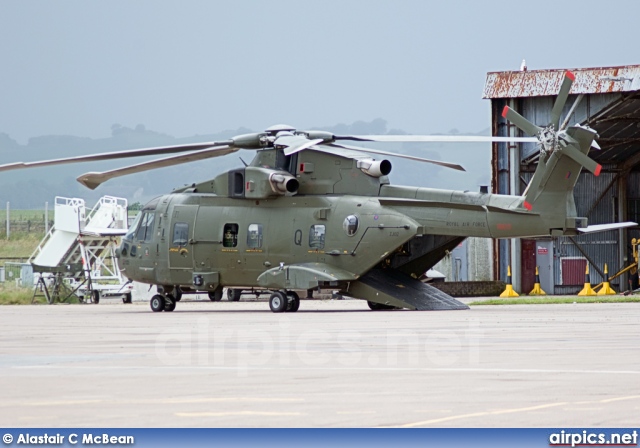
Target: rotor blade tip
[505, 111]
[598, 169]
[570, 75]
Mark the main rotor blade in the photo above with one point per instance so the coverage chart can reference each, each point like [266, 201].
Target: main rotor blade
[294, 143]
[115, 155]
[394, 154]
[561, 99]
[517, 119]
[433, 138]
[94, 179]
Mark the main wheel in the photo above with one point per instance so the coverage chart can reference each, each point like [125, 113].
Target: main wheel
[293, 302]
[169, 303]
[215, 296]
[95, 296]
[127, 298]
[233, 295]
[177, 294]
[157, 303]
[278, 302]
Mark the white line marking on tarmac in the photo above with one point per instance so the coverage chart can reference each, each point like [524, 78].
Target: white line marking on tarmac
[510, 411]
[480, 414]
[232, 414]
[158, 401]
[244, 369]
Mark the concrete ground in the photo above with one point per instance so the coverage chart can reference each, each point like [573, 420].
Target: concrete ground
[332, 364]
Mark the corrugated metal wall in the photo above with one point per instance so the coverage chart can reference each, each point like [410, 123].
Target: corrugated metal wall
[600, 247]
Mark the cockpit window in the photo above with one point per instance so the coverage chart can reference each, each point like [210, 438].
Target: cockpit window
[133, 227]
[142, 227]
[145, 229]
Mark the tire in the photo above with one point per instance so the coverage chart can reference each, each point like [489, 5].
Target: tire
[233, 295]
[278, 302]
[169, 303]
[293, 302]
[177, 294]
[157, 303]
[127, 298]
[215, 296]
[95, 296]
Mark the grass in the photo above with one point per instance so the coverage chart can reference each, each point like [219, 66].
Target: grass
[19, 246]
[25, 215]
[546, 300]
[10, 295]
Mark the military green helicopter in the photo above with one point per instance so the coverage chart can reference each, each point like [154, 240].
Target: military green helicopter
[313, 212]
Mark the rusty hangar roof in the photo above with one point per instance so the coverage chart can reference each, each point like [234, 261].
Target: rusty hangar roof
[529, 83]
[614, 109]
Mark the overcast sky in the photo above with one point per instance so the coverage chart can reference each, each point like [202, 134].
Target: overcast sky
[196, 67]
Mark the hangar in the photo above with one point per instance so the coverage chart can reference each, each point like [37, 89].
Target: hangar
[606, 99]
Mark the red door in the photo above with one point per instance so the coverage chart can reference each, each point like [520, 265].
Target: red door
[528, 264]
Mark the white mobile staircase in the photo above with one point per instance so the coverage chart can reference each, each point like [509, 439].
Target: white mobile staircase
[78, 255]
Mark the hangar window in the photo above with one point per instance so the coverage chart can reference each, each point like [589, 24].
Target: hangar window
[316, 236]
[254, 236]
[180, 234]
[230, 235]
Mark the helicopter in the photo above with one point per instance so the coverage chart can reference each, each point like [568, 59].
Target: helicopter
[313, 211]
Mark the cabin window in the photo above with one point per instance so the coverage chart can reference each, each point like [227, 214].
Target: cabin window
[145, 228]
[230, 235]
[350, 225]
[254, 236]
[180, 234]
[316, 236]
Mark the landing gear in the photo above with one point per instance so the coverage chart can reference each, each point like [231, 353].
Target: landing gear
[215, 296]
[95, 296]
[284, 301]
[127, 298]
[169, 303]
[233, 295]
[157, 303]
[162, 303]
[293, 302]
[380, 306]
[278, 302]
[177, 294]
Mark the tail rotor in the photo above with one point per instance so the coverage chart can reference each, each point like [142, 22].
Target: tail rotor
[573, 142]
